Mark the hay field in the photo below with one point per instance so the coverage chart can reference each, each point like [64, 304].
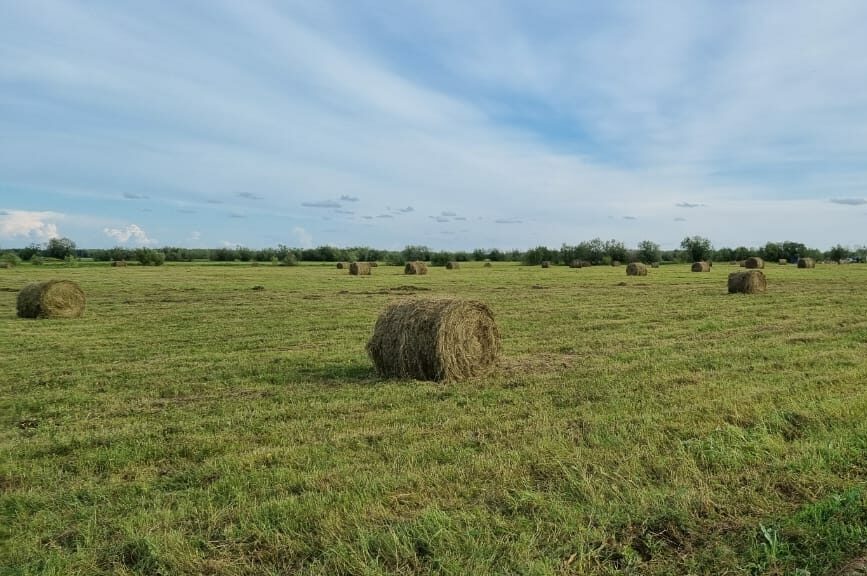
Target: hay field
[188, 424]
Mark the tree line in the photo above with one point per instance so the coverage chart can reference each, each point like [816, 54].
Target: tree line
[595, 252]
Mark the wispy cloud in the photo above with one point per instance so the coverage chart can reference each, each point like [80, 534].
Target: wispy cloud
[303, 237]
[237, 215]
[406, 210]
[321, 204]
[680, 219]
[508, 221]
[629, 218]
[688, 205]
[384, 216]
[348, 198]
[134, 196]
[346, 212]
[448, 214]
[249, 196]
[186, 211]
[849, 201]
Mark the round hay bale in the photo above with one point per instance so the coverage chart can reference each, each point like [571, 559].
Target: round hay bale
[754, 263]
[452, 265]
[806, 263]
[488, 265]
[373, 264]
[546, 264]
[118, 264]
[575, 264]
[418, 268]
[52, 299]
[5, 265]
[748, 282]
[636, 269]
[341, 265]
[359, 269]
[444, 339]
[615, 262]
[655, 265]
[782, 262]
[700, 267]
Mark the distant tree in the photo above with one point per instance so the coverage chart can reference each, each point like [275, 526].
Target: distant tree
[30, 251]
[10, 259]
[150, 257]
[539, 254]
[697, 248]
[412, 253]
[648, 252]
[838, 253]
[60, 248]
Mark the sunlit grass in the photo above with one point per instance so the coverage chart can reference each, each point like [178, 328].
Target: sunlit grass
[189, 424]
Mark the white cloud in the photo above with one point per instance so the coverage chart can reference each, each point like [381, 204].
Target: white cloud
[303, 237]
[130, 234]
[39, 226]
[195, 235]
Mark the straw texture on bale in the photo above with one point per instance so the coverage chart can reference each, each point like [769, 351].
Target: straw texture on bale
[748, 282]
[754, 262]
[488, 265]
[700, 267]
[546, 264]
[452, 265]
[52, 299]
[341, 265]
[444, 339]
[806, 263]
[373, 264]
[783, 261]
[655, 265]
[417, 267]
[118, 263]
[615, 262]
[636, 269]
[359, 269]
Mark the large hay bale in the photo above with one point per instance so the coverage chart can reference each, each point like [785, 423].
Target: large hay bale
[359, 269]
[748, 282]
[444, 339]
[754, 263]
[52, 299]
[341, 265]
[782, 261]
[636, 269]
[700, 267]
[452, 265]
[546, 263]
[418, 268]
[806, 263]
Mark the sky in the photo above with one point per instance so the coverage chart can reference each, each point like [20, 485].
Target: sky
[456, 125]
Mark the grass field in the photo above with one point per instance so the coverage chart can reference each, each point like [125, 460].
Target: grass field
[649, 425]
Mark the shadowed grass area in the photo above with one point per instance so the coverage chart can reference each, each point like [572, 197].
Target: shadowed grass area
[188, 424]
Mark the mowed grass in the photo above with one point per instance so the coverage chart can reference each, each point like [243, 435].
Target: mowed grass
[188, 424]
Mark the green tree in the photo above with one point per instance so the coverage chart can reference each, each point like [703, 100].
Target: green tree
[60, 248]
[697, 248]
[648, 252]
[838, 253]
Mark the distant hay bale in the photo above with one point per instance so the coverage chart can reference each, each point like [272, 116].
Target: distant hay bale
[444, 339]
[254, 263]
[373, 264]
[636, 269]
[488, 265]
[118, 263]
[806, 263]
[575, 264]
[452, 265]
[754, 262]
[733, 263]
[782, 262]
[359, 269]
[700, 266]
[5, 265]
[418, 268]
[615, 262]
[341, 265]
[742, 263]
[655, 265]
[546, 263]
[748, 282]
[51, 299]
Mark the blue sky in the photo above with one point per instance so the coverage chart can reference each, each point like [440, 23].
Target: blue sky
[450, 124]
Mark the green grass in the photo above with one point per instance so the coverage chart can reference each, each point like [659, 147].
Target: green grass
[191, 425]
